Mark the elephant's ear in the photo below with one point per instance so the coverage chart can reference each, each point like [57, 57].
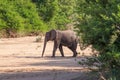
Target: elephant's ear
[53, 34]
[58, 38]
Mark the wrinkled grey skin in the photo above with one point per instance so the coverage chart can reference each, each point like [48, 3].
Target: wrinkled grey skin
[61, 38]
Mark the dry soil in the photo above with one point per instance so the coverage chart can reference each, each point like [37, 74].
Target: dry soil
[20, 59]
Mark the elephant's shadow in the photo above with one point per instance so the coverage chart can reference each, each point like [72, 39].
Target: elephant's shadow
[34, 57]
[57, 62]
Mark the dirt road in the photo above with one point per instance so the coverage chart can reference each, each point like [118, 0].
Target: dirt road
[20, 59]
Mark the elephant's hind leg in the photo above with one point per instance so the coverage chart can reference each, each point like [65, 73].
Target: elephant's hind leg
[61, 50]
[73, 49]
[74, 53]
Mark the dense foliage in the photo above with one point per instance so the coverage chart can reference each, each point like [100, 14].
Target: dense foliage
[19, 16]
[99, 25]
[26, 16]
[56, 13]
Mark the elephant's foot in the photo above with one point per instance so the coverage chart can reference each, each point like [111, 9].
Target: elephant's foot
[62, 56]
[74, 55]
[52, 56]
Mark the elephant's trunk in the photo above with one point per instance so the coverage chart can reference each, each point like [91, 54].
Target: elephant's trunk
[45, 42]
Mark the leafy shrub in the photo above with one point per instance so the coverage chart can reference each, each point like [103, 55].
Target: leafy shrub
[99, 25]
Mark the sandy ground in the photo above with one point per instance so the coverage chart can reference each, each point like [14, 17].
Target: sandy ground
[20, 59]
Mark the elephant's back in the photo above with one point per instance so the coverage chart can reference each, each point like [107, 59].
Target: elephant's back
[68, 32]
[68, 37]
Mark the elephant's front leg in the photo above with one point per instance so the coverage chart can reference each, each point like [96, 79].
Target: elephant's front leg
[61, 50]
[54, 48]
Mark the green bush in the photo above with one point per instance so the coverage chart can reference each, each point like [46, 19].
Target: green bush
[26, 16]
[20, 16]
[99, 25]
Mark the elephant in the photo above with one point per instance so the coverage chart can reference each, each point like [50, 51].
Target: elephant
[61, 38]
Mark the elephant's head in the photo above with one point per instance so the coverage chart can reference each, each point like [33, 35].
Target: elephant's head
[49, 36]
